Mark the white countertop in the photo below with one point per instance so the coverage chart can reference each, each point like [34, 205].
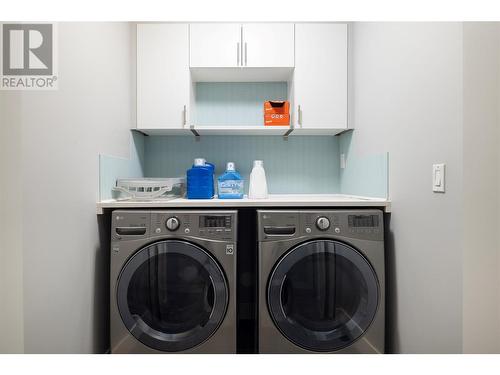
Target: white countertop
[274, 200]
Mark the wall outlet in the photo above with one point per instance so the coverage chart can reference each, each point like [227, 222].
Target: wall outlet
[342, 161]
[438, 178]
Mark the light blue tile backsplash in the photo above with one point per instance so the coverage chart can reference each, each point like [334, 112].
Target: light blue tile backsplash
[112, 168]
[235, 103]
[305, 164]
[365, 175]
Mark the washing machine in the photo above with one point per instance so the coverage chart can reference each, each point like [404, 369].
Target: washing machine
[173, 281]
[321, 281]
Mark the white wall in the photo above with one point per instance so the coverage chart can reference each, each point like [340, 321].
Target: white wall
[65, 267]
[481, 324]
[407, 99]
[11, 252]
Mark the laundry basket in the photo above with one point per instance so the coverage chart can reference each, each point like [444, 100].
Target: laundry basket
[149, 188]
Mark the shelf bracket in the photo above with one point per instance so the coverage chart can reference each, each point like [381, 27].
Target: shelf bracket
[343, 132]
[140, 132]
[288, 132]
[195, 133]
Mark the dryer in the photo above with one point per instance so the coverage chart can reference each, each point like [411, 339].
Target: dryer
[173, 281]
[321, 281]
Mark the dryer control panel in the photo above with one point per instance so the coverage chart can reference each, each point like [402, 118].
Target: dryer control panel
[361, 224]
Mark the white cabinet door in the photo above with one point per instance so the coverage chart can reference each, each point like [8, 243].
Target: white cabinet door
[268, 45]
[320, 77]
[163, 78]
[215, 45]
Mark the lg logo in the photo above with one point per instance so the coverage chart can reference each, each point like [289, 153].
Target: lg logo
[28, 56]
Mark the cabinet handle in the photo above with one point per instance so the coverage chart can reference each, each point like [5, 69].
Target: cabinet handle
[245, 53]
[184, 116]
[299, 112]
[238, 53]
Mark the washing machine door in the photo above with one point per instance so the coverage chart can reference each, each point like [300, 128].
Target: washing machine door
[172, 295]
[323, 295]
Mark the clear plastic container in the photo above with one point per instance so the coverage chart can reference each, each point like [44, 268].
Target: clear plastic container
[149, 188]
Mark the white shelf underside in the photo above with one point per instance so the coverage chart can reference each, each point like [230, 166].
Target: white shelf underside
[242, 130]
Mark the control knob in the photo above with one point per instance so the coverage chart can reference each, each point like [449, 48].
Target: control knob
[322, 223]
[172, 224]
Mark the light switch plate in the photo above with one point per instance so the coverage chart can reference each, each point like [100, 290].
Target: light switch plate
[438, 178]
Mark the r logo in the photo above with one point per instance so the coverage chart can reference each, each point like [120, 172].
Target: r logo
[27, 49]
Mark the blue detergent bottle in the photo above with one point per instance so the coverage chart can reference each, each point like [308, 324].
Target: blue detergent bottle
[230, 184]
[200, 180]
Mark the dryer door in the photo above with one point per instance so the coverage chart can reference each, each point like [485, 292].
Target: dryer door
[323, 295]
[172, 295]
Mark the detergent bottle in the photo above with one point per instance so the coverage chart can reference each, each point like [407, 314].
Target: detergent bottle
[258, 182]
[230, 184]
[200, 180]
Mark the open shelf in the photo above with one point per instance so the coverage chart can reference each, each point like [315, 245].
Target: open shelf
[233, 104]
[242, 130]
[237, 108]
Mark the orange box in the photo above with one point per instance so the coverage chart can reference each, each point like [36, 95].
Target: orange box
[277, 113]
[277, 120]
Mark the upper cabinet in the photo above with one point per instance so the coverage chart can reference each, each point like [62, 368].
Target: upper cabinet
[215, 45]
[253, 45]
[163, 77]
[268, 45]
[320, 76]
[213, 78]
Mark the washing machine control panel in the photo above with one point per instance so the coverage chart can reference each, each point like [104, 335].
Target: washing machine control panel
[209, 225]
[362, 224]
[367, 224]
[212, 225]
